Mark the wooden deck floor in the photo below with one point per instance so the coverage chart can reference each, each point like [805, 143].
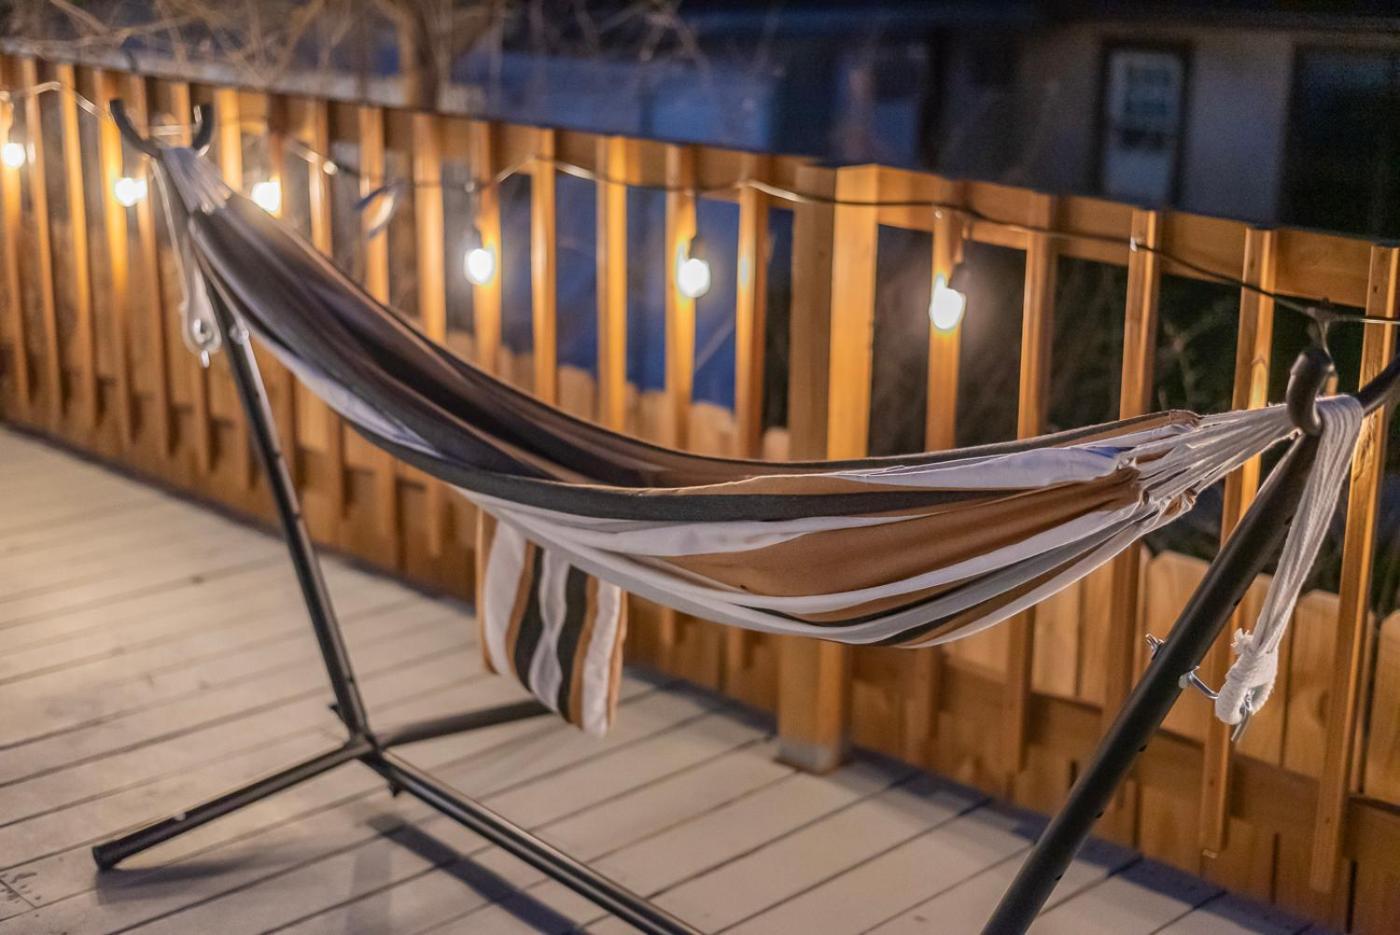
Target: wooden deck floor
[153, 654]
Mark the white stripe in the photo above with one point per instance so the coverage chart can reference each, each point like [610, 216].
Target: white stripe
[503, 568]
[544, 677]
[597, 664]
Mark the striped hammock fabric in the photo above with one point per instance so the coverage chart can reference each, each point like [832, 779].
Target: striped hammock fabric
[900, 551]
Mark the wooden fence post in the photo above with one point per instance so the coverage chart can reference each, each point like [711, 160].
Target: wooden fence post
[814, 681]
[1354, 614]
[1037, 341]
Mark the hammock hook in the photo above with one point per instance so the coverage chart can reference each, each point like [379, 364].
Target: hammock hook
[1192, 680]
[1306, 379]
[203, 128]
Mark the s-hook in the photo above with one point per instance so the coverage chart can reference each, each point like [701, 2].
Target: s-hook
[203, 128]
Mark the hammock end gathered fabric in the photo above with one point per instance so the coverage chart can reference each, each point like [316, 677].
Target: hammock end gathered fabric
[1251, 678]
[1249, 682]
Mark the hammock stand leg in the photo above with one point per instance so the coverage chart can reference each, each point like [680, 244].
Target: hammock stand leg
[362, 744]
[1256, 540]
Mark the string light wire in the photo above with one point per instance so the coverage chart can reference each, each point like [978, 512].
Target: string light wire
[1322, 314]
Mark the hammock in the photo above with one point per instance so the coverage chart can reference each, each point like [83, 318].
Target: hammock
[899, 551]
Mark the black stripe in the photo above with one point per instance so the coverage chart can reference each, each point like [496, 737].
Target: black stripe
[531, 622]
[575, 617]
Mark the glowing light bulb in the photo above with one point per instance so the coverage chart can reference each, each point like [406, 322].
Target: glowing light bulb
[128, 190]
[693, 276]
[267, 195]
[13, 154]
[480, 265]
[947, 305]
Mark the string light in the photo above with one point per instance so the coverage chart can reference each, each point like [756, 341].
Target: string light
[946, 305]
[267, 195]
[479, 263]
[13, 154]
[693, 269]
[128, 191]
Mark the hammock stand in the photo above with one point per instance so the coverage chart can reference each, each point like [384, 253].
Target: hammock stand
[1257, 537]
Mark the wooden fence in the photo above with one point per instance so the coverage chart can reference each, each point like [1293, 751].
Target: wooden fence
[1305, 811]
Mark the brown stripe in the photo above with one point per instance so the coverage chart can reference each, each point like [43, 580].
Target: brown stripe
[522, 600]
[860, 557]
[485, 541]
[585, 640]
[981, 611]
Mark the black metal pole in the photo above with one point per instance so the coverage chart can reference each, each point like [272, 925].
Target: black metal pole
[459, 723]
[1254, 541]
[110, 853]
[246, 377]
[577, 876]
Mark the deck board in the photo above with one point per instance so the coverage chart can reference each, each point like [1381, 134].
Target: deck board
[153, 654]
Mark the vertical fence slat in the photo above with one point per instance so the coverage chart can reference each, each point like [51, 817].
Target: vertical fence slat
[279, 377]
[1253, 350]
[809, 327]
[1037, 338]
[544, 269]
[615, 171]
[376, 272]
[317, 134]
[1358, 550]
[1139, 346]
[229, 148]
[486, 297]
[750, 316]
[10, 191]
[680, 310]
[814, 680]
[201, 419]
[43, 242]
[114, 217]
[147, 283]
[79, 255]
[432, 284]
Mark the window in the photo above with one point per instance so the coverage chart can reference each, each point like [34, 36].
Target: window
[1342, 161]
[1144, 104]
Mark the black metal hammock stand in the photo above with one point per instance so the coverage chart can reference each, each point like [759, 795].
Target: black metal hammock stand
[1255, 540]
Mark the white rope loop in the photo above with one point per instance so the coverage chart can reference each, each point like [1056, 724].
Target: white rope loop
[1251, 677]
